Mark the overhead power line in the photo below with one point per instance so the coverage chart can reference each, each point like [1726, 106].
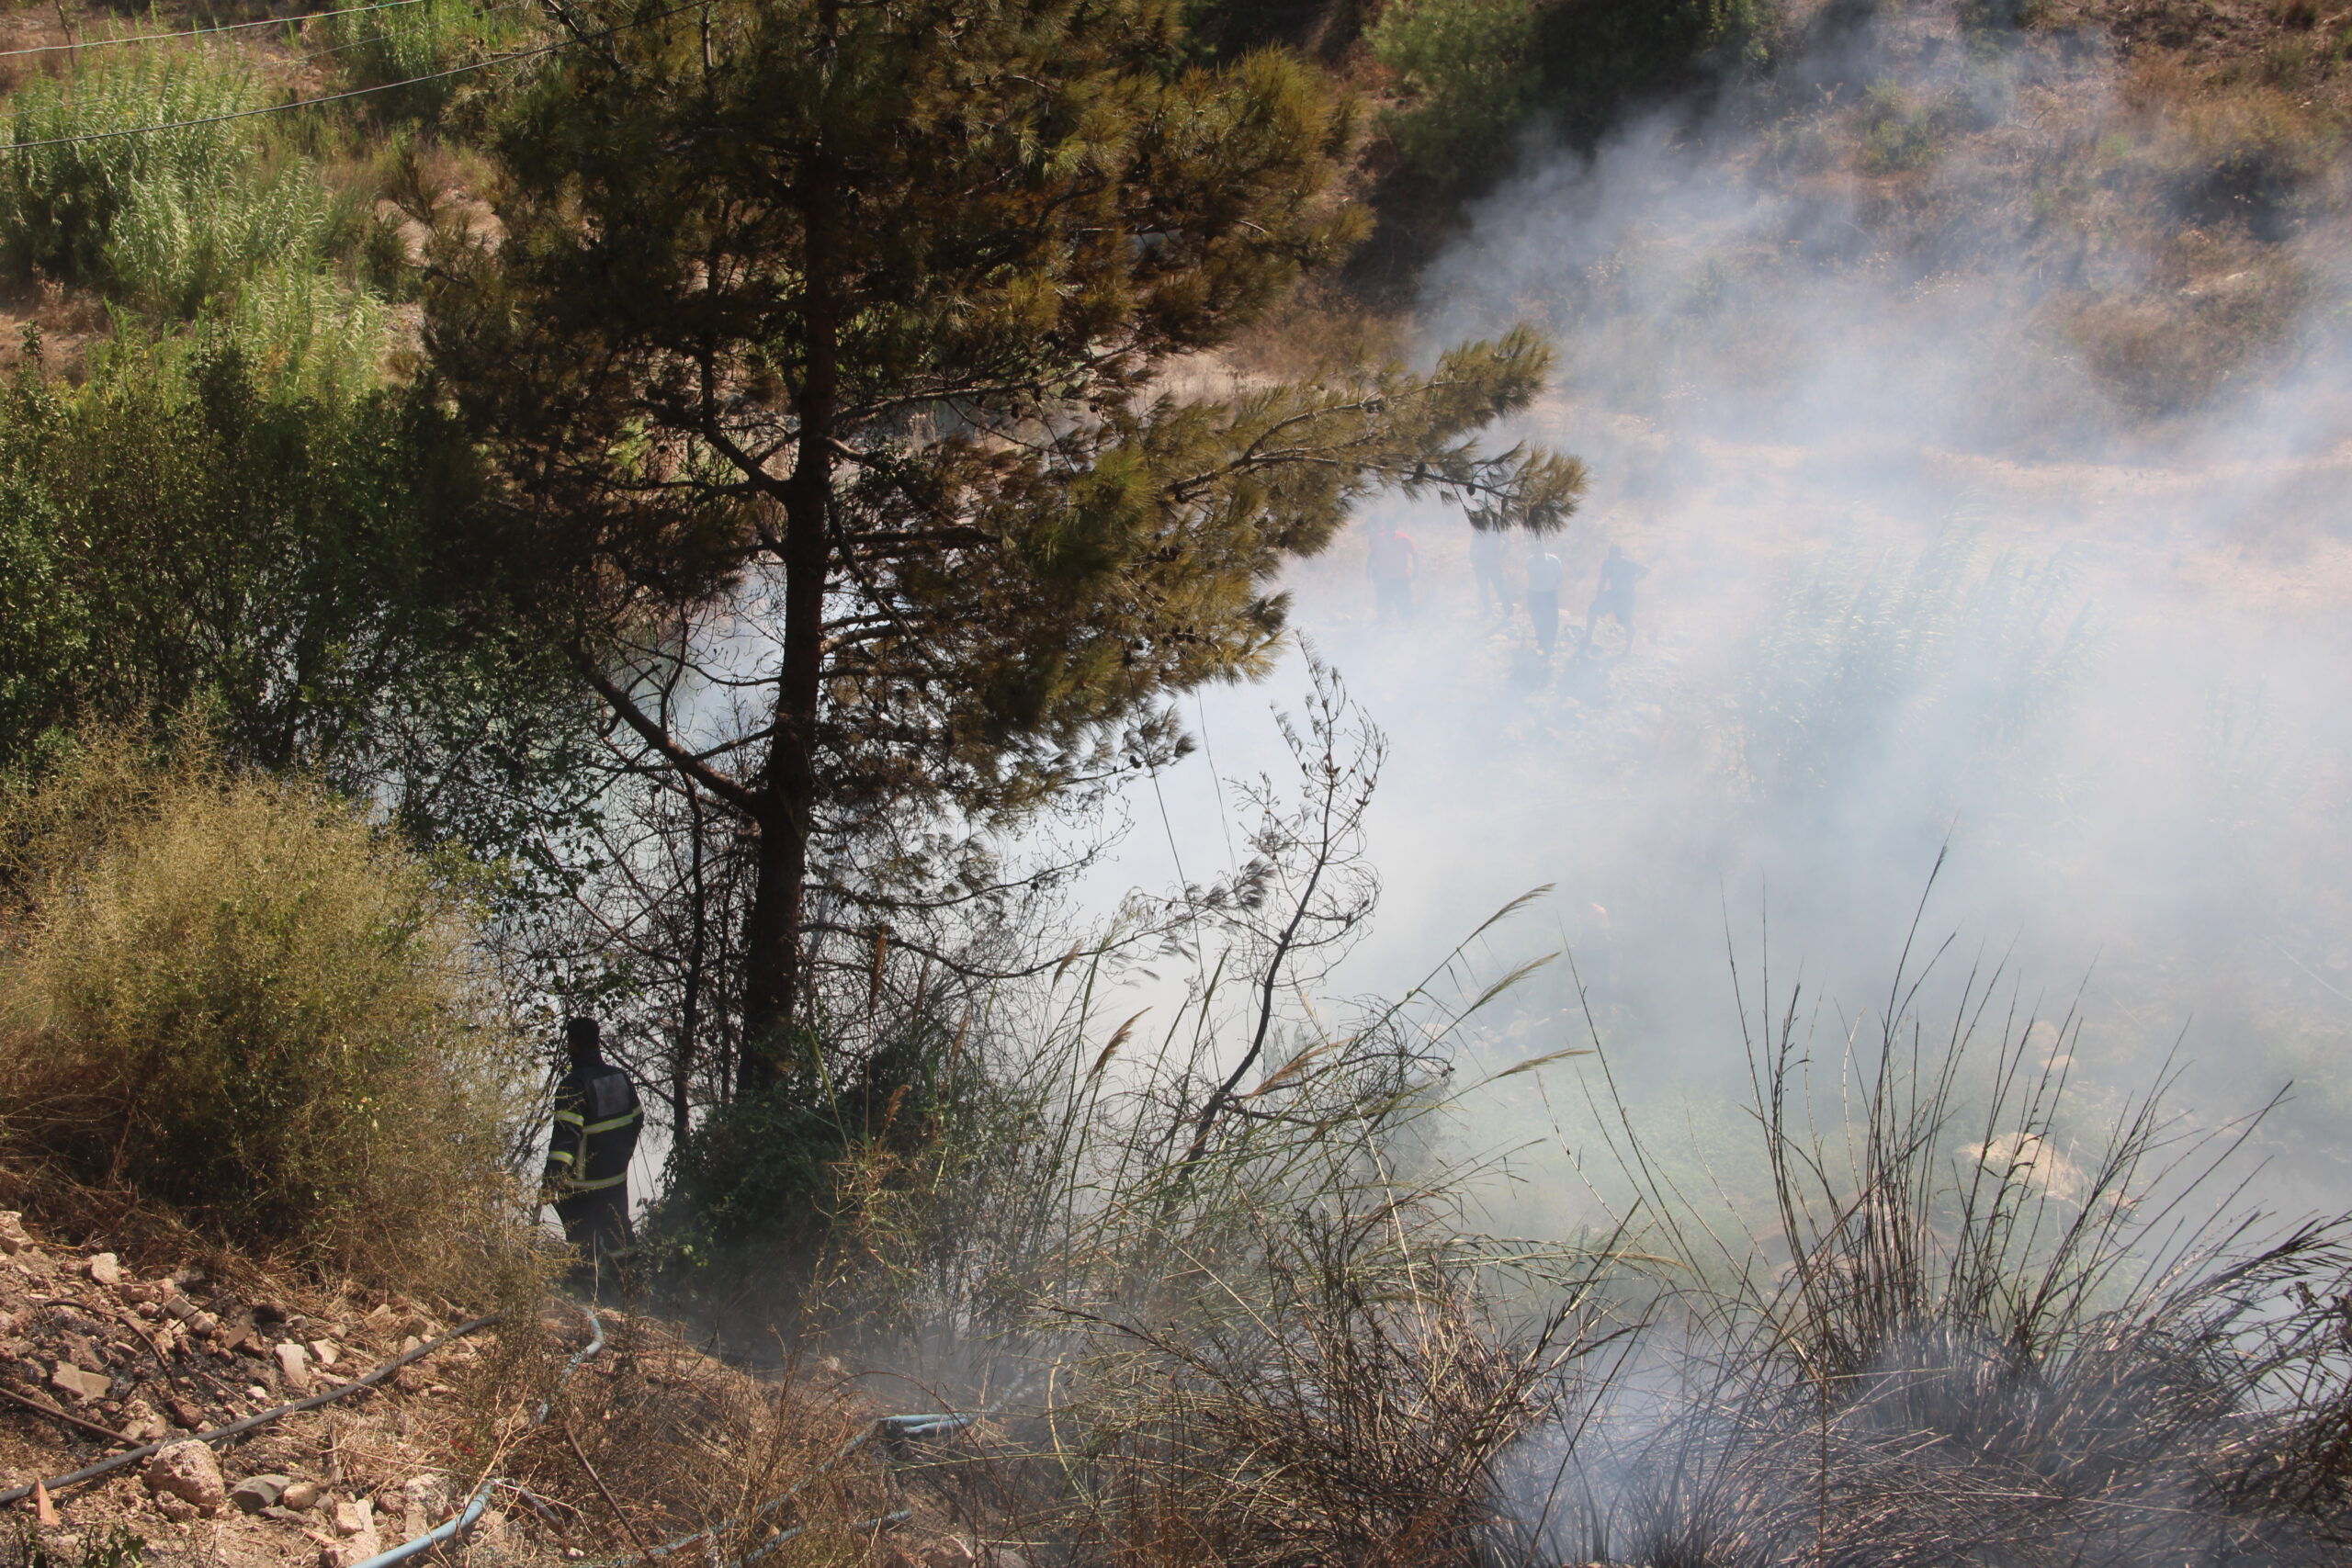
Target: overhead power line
[281, 109]
[204, 32]
[337, 98]
[353, 92]
[309, 55]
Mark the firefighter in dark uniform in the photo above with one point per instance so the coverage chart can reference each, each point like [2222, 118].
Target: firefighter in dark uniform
[596, 1123]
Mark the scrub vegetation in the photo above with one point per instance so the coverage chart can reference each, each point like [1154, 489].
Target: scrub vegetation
[692, 515]
[231, 997]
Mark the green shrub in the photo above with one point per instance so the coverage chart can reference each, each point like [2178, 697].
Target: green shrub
[234, 998]
[827, 1186]
[1600, 58]
[316, 338]
[375, 50]
[203, 527]
[1469, 73]
[168, 220]
[1979, 16]
[234, 518]
[1897, 134]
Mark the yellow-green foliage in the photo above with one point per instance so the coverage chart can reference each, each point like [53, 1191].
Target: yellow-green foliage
[1469, 72]
[1896, 134]
[402, 58]
[222, 218]
[232, 997]
[166, 219]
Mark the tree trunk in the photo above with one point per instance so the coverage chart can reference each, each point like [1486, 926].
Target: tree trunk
[681, 1060]
[772, 939]
[772, 935]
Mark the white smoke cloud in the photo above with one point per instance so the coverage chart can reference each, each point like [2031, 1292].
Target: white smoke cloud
[1927, 570]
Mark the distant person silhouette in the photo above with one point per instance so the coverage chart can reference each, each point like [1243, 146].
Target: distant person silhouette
[1543, 574]
[1619, 573]
[594, 1133]
[1488, 556]
[1393, 563]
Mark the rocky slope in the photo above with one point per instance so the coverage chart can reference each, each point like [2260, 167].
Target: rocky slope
[649, 1440]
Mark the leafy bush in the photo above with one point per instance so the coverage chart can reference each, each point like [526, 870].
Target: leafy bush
[1475, 71]
[1897, 134]
[2003, 16]
[802, 1187]
[233, 519]
[320, 341]
[218, 521]
[203, 529]
[1469, 73]
[378, 50]
[234, 998]
[168, 220]
[1598, 58]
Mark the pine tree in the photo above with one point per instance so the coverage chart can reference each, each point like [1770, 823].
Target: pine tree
[849, 373]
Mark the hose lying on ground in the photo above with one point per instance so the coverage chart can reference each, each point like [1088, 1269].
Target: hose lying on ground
[595, 1347]
[919, 1426]
[238, 1428]
[463, 1519]
[883, 1522]
[893, 1426]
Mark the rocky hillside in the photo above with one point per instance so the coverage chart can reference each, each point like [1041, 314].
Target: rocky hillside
[649, 1439]
[96, 1357]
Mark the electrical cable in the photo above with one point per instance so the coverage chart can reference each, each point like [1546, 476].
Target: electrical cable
[1192, 905]
[278, 108]
[203, 32]
[1216, 781]
[352, 93]
[1169, 827]
[896, 1426]
[308, 56]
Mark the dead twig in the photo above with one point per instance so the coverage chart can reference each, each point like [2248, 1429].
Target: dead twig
[54, 1413]
[606, 1492]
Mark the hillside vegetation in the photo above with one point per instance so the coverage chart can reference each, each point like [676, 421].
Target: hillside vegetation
[691, 515]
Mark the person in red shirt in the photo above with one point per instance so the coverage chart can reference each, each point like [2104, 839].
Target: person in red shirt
[1393, 561]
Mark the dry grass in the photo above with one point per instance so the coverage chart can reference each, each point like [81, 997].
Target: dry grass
[1349, 1396]
[2006, 1330]
[682, 1443]
[1223, 1305]
[1975, 1353]
[234, 1000]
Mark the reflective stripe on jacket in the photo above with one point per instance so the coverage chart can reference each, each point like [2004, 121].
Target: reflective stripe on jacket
[596, 1123]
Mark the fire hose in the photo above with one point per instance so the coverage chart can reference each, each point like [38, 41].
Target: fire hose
[896, 1427]
[464, 1518]
[238, 1428]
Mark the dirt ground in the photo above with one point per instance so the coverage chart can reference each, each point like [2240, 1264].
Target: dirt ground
[648, 1430]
